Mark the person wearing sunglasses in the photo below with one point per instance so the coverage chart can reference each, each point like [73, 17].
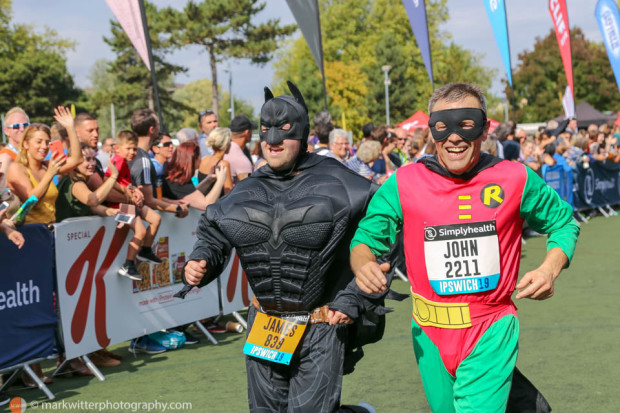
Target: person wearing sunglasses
[15, 121]
[162, 149]
[207, 121]
[462, 214]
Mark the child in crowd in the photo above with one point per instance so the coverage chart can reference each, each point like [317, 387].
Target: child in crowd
[126, 148]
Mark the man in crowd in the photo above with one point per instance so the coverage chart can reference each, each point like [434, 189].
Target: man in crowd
[15, 121]
[105, 153]
[398, 156]
[87, 130]
[462, 213]
[240, 165]
[207, 121]
[338, 145]
[290, 222]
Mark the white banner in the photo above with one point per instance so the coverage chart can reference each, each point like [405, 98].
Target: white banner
[98, 307]
[568, 103]
[127, 12]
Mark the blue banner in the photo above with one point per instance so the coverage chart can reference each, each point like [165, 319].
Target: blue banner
[496, 9]
[598, 185]
[560, 178]
[608, 20]
[27, 318]
[416, 11]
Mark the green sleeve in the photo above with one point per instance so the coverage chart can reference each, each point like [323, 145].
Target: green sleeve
[383, 220]
[547, 213]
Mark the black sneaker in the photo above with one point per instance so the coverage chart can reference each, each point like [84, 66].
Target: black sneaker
[129, 270]
[190, 339]
[146, 254]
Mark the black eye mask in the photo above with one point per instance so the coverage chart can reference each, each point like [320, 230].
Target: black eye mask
[453, 118]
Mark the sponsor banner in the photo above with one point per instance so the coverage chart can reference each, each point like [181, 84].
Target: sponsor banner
[598, 185]
[496, 10]
[98, 307]
[559, 15]
[568, 103]
[560, 178]
[416, 11]
[608, 19]
[27, 318]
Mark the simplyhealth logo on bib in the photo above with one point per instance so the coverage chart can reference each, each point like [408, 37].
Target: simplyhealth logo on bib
[462, 258]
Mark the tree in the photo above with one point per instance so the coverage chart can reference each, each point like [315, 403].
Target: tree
[196, 96]
[539, 81]
[225, 29]
[361, 36]
[33, 69]
[133, 88]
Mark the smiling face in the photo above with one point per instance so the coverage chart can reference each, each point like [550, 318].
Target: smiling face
[87, 168]
[37, 145]
[281, 156]
[15, 135]
[126, 150]
[456, 154]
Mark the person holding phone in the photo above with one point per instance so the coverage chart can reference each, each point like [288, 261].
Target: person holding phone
[31, 175]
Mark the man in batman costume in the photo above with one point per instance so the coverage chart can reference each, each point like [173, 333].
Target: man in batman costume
[291, 223]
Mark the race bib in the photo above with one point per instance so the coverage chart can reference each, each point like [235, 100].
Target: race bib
[462, 258]
[275, 338]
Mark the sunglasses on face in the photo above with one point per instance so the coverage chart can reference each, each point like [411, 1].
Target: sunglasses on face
[18, 125]
[165, 145]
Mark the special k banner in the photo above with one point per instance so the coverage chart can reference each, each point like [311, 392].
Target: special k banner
[98, 307]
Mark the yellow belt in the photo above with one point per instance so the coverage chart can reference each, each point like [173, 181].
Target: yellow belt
[442, 315]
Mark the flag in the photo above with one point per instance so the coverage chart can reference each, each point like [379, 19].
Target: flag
[306, 13]
[569, 103]
[496, 10]
[416, 11]
[609, 23]
[127, 12]
[559, 15]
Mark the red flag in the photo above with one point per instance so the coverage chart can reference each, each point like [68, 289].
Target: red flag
[559, 15]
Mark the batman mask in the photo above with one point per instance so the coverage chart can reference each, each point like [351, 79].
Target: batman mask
[280, 111]
[452, 119]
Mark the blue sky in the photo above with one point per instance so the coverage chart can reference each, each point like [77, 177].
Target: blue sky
[87, 21]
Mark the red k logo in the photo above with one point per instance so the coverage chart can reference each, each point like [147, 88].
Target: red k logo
[88, 258]
[231, 288]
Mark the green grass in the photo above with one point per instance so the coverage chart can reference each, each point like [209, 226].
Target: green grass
[568, 348]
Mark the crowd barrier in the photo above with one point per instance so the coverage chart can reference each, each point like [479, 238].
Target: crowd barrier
[593, 187]
[98, 307]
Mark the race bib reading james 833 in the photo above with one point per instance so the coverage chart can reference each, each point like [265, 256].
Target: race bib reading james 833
[462, 258]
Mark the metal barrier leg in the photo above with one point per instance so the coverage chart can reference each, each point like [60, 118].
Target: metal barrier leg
[205, 332]
[7, 383]
[39, 383]
[400, 275]
[611, 210]
[602, 211]
[58, 370]
[582, 217]
[240, 319]
[93, 368]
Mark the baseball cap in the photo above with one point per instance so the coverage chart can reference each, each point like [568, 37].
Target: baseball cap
[241, 123]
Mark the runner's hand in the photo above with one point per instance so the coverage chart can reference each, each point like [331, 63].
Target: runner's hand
[194, 271]
[536, 285]
[371, 277]
[336, 317]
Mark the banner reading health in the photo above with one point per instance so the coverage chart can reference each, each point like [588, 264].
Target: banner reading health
[496, 10]
[416, 11]
[27, 317]
[609, 23]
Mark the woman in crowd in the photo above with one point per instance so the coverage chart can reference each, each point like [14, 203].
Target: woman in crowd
[382, 165]
[366, 155]
[162, 149]
[219, 141]
[74, 197]
[31, 175]
[178, 184]
[257, 156]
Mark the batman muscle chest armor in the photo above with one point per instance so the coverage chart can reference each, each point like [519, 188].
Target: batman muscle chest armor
[292, 234]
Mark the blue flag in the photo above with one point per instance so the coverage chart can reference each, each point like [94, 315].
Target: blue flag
[416, 11]
[609, 22]
[496, 9]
